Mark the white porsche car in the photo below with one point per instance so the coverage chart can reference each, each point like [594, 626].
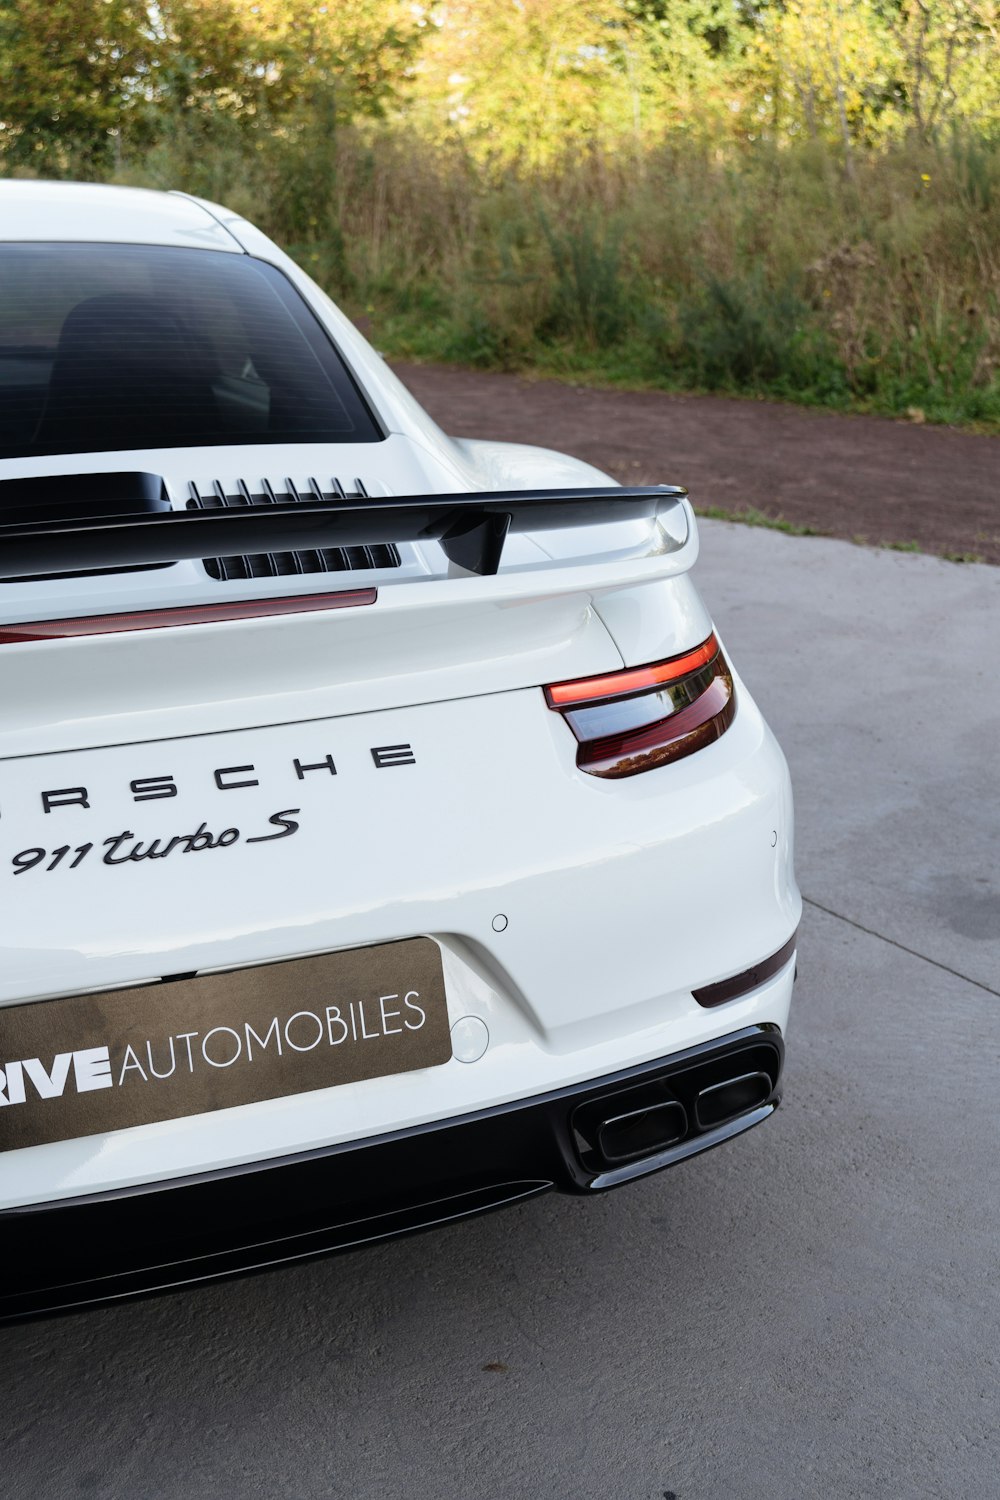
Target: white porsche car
[385, 834]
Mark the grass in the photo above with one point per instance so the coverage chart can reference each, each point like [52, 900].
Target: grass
[761, 272]
[753, 517]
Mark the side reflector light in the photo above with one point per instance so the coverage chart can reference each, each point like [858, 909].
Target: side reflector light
[643, 717]
[194, 614]
[741, 984]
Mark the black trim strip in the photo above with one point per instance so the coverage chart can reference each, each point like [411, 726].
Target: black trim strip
[470, 527]
[740, 984]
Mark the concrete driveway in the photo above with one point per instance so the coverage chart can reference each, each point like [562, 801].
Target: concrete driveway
[812, 1311]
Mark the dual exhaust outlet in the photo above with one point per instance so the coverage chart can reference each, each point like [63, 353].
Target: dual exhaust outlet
[647, 1131]
[670, 1111]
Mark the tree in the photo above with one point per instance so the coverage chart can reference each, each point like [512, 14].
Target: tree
[72, 78]
[827, 68]
[525, 80]
[79, 76]
[247, 57]
[865, 71]
[948, 61]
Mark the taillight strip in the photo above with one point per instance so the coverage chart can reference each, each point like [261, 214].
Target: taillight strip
[691, 702]
[194, 614]
[632, 680]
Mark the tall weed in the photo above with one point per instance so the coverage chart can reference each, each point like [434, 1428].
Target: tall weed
[758, 270]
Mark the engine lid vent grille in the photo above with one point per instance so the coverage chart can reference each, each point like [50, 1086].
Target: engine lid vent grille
[287, 564]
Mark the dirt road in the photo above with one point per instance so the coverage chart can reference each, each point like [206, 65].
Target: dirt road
[863, 478]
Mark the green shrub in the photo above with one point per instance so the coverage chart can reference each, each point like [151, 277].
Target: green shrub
[743, 334]
[589, 298]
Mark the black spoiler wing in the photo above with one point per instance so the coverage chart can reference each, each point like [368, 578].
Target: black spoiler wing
[470, 527]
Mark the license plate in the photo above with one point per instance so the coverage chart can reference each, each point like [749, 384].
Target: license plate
[95, 1063]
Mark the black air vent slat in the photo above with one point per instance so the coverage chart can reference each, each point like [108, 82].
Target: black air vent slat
[288, 564]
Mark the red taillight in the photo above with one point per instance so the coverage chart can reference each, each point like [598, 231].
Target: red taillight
[193, 614]
[643, 717]
[632, 680]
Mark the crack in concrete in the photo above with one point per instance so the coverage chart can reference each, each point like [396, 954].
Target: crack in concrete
[956, 974]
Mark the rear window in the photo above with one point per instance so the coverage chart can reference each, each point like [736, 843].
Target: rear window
[111, 347]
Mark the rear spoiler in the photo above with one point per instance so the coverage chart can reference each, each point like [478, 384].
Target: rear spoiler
[471, 528]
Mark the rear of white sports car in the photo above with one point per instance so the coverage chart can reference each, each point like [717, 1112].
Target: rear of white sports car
[385, 832]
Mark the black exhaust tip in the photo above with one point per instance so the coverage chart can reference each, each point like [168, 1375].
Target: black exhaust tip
[734, 1096]
[642, 1132]
[629, 1125]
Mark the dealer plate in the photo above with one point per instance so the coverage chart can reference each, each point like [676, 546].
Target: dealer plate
[95, 1063]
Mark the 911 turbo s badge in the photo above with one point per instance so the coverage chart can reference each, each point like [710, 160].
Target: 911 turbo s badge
[117, 850]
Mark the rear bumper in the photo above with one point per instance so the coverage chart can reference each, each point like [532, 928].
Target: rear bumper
[77, 1252]
[576, 917]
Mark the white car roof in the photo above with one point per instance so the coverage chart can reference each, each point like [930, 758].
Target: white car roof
[85, 211]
